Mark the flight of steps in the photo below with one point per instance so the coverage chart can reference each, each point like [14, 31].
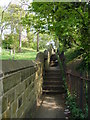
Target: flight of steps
[53, 81]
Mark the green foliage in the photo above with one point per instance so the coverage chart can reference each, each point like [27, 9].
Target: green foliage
[13, 15]
[76, 112]
[25, 44]
[11, 19]
[43, 40]
[73, 53]
[68, 21]
[77, 53]
[28, 42]
[11, 41]
[0, 12]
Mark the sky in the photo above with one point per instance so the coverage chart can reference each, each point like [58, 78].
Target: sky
[6, 2]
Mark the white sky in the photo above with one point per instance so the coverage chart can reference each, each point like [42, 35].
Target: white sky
[6, 2]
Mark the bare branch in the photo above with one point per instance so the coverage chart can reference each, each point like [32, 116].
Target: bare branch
[2, 28]
[5, 9]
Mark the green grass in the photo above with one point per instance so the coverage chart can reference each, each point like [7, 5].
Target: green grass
[26, 54]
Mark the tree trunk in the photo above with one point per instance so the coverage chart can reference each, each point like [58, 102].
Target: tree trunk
[20, 31]
[20, 40]
[89, 56]
[1, 33]
[37, 41]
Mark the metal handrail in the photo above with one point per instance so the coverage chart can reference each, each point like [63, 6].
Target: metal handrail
[78, 76]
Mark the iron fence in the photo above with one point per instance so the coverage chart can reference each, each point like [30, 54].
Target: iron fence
[79, 87]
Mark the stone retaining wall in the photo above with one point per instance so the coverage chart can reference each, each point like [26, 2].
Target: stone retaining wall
[20, 87]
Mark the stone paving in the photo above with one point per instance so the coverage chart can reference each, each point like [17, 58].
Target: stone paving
[49, 106]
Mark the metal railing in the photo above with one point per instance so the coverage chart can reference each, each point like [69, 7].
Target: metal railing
[79, 86]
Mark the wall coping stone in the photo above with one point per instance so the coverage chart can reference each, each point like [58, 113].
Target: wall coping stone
[10, 66]
[40, 57]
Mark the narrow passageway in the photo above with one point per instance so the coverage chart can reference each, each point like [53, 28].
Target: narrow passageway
[51, 106]
[52, 102]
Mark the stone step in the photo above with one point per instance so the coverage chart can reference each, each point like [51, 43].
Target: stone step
[60, 82]
[53, 92]
[52, 78]
[51, 87]
[52, 70]
[54, 74]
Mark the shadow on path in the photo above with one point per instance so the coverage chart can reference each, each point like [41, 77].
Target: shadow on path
[50, 106]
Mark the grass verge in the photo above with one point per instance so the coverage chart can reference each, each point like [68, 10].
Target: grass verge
[25, 54]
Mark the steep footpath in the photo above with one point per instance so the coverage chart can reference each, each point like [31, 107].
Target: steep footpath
[52, 102]
[53, 82]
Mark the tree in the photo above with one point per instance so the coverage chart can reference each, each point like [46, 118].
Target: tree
[44, 40]
[68, 21]
[34, 23]
[2, 24]
[12, 18]
[11, 41]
